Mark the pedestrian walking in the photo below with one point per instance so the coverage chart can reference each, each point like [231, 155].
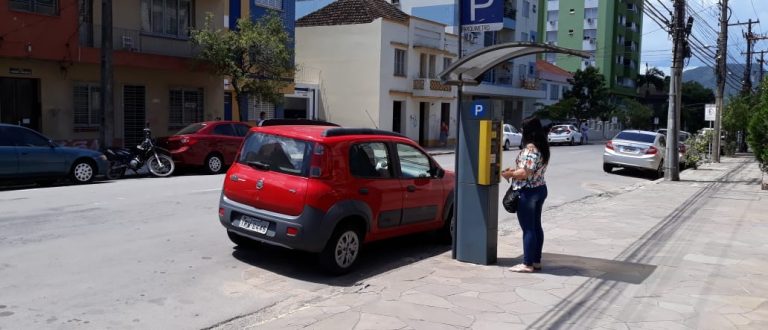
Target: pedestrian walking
[528, 178]
[584, 131]
[443, 134]
[262, 117]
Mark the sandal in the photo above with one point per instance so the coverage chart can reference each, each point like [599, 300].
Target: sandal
[521, 268]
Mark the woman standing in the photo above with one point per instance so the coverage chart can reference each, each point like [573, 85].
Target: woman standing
[528, 177]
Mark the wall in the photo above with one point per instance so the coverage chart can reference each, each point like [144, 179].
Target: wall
[348, 58]
[50, 37]
[56, 91]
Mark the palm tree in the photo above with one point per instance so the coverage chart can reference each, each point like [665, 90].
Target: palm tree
[652, 76]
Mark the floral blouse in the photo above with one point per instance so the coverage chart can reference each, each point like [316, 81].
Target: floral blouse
[530, 158]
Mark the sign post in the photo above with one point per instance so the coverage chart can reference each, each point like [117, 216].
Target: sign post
[482, 15]
[710, 112]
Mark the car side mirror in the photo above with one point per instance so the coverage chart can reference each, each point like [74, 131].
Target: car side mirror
[437, 172]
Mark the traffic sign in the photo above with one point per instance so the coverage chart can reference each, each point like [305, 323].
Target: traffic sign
[482, 15]
[710, 112]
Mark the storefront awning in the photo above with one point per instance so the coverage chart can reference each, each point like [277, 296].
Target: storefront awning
[471, 67]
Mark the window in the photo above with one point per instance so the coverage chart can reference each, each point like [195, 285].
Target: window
[554, 92]
[446, 62]
[276, 153]
[544, 87]
[413, 163]
[276, 4]
[224, 129]
[86, 105]
[400, 62]
[46, 7]
[526, 8]
[432, 66]
[172, 18]
[242, 129]
[5, 138]
[423, 65]
[28, 138]
[185, 106]
[369, 160]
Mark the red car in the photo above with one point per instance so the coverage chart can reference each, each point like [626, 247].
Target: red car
[212, 144]
[327, 189]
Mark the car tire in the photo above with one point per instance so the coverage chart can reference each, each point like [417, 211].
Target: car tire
[342, 250]
[506, 145]
[659, 173]
[572, 142]
[242, 241]
[82, 172]
[607, 168]
[214, 164]
[446, 232]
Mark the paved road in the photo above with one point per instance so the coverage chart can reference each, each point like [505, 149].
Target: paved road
[149, 252]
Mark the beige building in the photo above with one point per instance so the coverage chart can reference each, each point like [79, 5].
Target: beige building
[50, 73]
[378, 67]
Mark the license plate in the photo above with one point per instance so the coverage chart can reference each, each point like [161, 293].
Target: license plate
[253, 224]
[628, 149]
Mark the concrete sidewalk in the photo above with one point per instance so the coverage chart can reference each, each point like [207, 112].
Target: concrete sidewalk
[672, 255]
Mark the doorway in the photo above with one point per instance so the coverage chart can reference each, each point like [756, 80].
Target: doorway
[423, 123]
[134, 114]
[296, 108]
[227, 105]
[20, 102]
[397, 116]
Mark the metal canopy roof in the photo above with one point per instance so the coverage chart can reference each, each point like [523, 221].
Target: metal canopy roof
[471, 67]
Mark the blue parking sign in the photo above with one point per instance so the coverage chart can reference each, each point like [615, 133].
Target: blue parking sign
[482, 15]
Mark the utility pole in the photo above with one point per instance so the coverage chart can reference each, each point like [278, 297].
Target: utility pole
[762, 63]
[680, 32]
[106, 132]
[721, 72]
[751, 38]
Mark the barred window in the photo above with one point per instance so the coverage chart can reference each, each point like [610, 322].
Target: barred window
[87, 110]
[276, 4]
[185, 107]
[46, 7]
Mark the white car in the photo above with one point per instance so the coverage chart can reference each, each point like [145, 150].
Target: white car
[565, 134]
[512, 137]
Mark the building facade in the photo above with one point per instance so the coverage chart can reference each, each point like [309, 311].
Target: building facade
[553, 81]
[50, 73]
[377, 67]
[610, 30]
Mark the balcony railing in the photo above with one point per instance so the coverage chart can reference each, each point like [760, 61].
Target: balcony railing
[529, 83]
[137, 41]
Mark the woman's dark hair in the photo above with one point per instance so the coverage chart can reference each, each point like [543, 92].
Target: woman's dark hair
[534, 133]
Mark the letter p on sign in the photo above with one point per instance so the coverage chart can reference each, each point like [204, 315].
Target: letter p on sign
[478, 109]
[474, 6]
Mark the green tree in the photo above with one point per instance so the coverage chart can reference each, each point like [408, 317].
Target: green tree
[652, 76]
[736, 119]
[694, 98]
[758, 128]
[635, 115]
[559, 111]
[255, 56]
[591, 95]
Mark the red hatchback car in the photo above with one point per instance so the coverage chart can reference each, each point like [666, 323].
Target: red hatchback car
[212, 144]
[328, 190]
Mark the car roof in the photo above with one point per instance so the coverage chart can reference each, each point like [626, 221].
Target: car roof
[317, 133]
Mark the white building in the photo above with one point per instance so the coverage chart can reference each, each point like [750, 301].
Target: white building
[514, 82]
[377, 67]
[553, 81]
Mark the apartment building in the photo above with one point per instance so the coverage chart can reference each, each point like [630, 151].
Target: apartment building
[610, 30]
[379, 68]
[50, 74]
[553, 81]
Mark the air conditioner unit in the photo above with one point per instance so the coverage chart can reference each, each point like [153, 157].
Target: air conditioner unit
[590, 21]
[552, 23]
[592, 41]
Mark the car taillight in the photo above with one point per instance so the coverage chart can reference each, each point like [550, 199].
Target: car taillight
[185, 140]
[320, 164]
[609, 145]
[221, 212]
[651, 150]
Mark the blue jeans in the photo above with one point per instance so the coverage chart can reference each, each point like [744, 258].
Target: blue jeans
[529, 216]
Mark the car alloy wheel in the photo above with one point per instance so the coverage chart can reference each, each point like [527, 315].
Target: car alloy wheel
[347, 249]
[506, 145]
[82, 172]
[214, 164]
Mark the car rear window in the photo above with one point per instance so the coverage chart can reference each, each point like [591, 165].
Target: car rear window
[276, 153]
[193, 128]
[558, 129]
[637, 137]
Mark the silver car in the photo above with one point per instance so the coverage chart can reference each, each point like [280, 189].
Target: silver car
[636, 149]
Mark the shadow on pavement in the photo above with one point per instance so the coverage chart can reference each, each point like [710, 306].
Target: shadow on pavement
[633, 173]
[376, 258]
[602, 269]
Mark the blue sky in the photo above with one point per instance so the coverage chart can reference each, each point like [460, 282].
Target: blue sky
[656, 44]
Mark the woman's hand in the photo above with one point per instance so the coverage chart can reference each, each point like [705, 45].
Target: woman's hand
[507, 173]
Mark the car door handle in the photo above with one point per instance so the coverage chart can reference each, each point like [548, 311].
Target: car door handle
[363, 191]
[411, 188]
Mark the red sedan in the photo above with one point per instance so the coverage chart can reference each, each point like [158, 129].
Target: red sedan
[212, 144]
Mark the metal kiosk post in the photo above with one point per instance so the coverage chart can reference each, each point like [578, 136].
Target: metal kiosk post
[480, 143]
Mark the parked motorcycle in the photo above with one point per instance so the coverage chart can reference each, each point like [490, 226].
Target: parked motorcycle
[157, 159]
